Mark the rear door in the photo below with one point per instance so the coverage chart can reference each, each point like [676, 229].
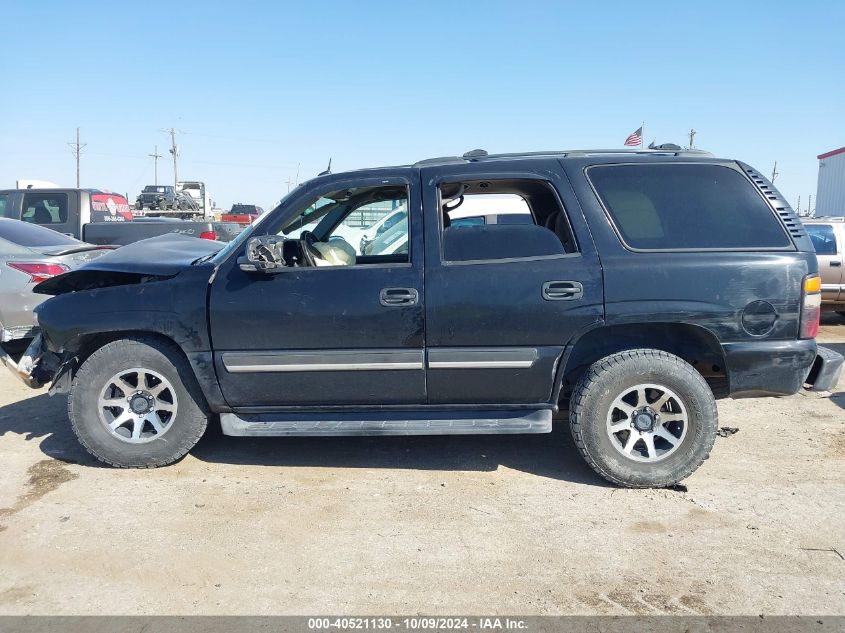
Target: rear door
[825, 240]
[503, 299]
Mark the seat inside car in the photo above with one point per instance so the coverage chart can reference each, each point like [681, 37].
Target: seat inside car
[42, 214]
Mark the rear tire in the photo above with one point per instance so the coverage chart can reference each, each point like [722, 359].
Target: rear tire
[134, 403]
[643, 418]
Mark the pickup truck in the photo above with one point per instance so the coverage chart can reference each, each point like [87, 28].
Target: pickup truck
[648, 284]
[828, 236]
[97, 217]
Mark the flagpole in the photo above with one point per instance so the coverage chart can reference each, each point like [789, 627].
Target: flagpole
[642, 134]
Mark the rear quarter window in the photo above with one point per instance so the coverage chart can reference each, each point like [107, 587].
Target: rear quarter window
[686, 206]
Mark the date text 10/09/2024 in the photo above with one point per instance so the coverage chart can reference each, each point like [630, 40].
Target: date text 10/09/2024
[417, 624]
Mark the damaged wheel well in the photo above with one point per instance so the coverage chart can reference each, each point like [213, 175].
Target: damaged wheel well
[88, 344]
[696, 345]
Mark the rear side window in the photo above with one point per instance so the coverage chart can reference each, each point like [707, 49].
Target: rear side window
[45, 208]
[823, 238]
[489, 220]
[3, 199]
[656, 207]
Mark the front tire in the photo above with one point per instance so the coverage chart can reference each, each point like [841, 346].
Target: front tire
[643, 418]
[130, 408]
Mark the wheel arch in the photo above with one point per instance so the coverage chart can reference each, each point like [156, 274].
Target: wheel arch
[693, 343]
[202, 368]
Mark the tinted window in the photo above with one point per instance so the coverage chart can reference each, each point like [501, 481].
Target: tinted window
[32, 235]
[45, 208]
[3, 199]
[823, 238]
[686, 207]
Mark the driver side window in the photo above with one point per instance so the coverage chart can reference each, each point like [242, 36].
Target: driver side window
[367, 225]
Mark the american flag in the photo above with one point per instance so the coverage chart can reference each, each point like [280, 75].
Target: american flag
[635, 138]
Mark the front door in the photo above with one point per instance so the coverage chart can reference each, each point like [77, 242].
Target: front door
[349, 331]
[509, 282]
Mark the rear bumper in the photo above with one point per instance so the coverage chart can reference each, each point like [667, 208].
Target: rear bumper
[825, 371]
[779, 368]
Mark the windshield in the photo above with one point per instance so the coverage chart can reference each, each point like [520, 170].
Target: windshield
[32, 235]
[153, 189]
[309, 218]
[241, 237]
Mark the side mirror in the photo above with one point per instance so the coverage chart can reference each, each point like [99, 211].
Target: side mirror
[263, 254]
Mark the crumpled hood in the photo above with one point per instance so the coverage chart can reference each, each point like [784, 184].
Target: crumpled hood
[161, 256]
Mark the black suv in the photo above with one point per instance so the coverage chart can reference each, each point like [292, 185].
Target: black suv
[164, 197]
[640, 287]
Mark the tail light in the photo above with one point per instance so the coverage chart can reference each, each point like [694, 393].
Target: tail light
[811, 307]
[38, 271]
[208, 235]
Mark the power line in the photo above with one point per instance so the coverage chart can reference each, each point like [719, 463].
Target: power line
[155, 156]
[175, 151]
[76, 150]
[234, 138]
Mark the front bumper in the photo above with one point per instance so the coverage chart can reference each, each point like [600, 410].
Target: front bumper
[780, 368]
[27, 368]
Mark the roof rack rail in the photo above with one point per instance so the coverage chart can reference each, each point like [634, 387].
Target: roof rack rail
[589, 152]
[443, 160]
[479, 155]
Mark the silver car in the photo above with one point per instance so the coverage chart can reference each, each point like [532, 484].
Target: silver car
[29, 254]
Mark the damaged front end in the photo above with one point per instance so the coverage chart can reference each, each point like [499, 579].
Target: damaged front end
[154, 286]
[36, 367]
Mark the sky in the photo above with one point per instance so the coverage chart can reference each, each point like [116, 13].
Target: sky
[262, 91]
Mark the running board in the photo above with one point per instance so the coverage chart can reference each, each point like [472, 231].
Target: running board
[388, 423]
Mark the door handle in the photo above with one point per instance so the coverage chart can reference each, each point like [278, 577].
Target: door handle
[835, 264]
[562, 290]
[397, 297]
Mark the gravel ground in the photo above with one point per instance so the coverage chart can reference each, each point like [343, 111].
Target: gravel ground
[510, 524]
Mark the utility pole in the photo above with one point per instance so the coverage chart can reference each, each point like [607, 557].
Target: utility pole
[775, 173]
[155, 156]
[288, 182]
[799, 205]
[175, 151]
[76, 150]
[810, 207]
[692, 138]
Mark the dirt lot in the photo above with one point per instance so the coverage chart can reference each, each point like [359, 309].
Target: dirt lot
[513, 524]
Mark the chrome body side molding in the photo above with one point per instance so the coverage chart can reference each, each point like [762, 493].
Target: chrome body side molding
[481, 358]
[375, 360]
[323, 360]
